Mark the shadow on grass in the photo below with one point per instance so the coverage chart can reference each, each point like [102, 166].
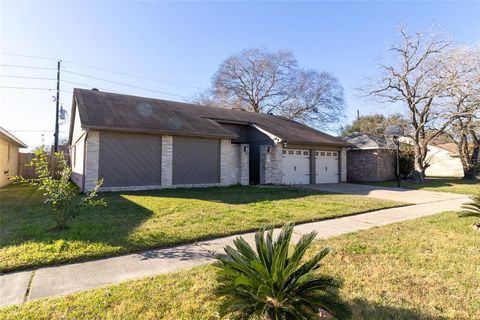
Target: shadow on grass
[363, 309]
[227, 195]
[25, 219]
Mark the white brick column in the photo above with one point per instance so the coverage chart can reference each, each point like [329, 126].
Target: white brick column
[271, 164]
[244, 174]
[167, 161]
[343, 165]
[227, 154]
[92, 147]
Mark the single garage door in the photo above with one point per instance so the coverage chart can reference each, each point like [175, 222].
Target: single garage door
[195, 161]
[129, 159]
[326, 165]
[296, 166]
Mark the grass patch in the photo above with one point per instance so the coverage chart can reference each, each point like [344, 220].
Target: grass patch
[424, 269]
[140, 220]
[454, 185]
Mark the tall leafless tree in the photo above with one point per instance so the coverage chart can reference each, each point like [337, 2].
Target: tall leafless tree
[462, 103]
[260, 81]
[413, 79]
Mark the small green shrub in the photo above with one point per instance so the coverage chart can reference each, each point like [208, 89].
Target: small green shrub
[269, 283]
[406, 159]
[57, 189]
[472, 208]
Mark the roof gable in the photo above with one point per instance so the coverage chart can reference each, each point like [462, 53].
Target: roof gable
[11, 138]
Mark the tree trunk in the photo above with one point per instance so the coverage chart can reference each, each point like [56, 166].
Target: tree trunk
[418, 174]
[470, 173]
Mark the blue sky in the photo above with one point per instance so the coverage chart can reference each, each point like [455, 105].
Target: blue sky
[185, 42]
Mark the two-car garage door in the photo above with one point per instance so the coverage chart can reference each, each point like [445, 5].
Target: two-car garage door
[296, 166]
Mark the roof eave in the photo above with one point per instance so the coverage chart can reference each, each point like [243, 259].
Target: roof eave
[161, 132]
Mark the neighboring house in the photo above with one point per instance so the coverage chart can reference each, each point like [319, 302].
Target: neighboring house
[141, 143]
[370, 159]
[9, 146]
[444, 161]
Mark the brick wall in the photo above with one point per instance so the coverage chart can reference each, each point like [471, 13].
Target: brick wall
[271, 164]
[167, 164]
[92, 144]
[370, 165]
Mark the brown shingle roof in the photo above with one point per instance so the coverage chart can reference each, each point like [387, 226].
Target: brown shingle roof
[103, 110]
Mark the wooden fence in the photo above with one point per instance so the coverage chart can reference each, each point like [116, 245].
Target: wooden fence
[29, 172]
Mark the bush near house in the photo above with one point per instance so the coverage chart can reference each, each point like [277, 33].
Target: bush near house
[57, 190]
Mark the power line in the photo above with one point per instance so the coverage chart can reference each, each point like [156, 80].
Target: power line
[132, 75]
[25, 67]
[25, 88]
[25, 77]
[123, 84]
[87, 85]
[28, 130]
[102, 69]
[27, 56]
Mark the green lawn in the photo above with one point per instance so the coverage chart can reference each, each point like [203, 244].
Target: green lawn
[454, 185]
[426, 269]
[139, 220]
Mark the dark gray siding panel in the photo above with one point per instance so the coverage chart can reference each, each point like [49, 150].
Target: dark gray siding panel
[256, 139]
[239, 129]
[195, 161]
[129, 159]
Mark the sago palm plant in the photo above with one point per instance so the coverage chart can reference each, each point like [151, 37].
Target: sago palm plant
[472, 208]
[270, 283]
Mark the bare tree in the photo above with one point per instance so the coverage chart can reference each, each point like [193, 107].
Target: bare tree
[260, 81]
[413, 80]
[462, 70]
[317, 99]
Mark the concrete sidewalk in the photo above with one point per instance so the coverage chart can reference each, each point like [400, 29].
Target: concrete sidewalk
[65, 279]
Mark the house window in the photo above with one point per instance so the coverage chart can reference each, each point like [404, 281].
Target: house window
[8, 153]
[322, 154]
[284, 151]
[299, 153]
[329, 154]
[290, 152]
[334, 154]
[305, 153]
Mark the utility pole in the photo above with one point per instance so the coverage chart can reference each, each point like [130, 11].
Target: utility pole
[57, 110]
[358, 115]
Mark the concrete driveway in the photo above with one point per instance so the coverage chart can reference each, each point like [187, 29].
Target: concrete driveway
[395, 194]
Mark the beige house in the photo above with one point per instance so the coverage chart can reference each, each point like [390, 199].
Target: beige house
[444, 161]
[9, 146]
